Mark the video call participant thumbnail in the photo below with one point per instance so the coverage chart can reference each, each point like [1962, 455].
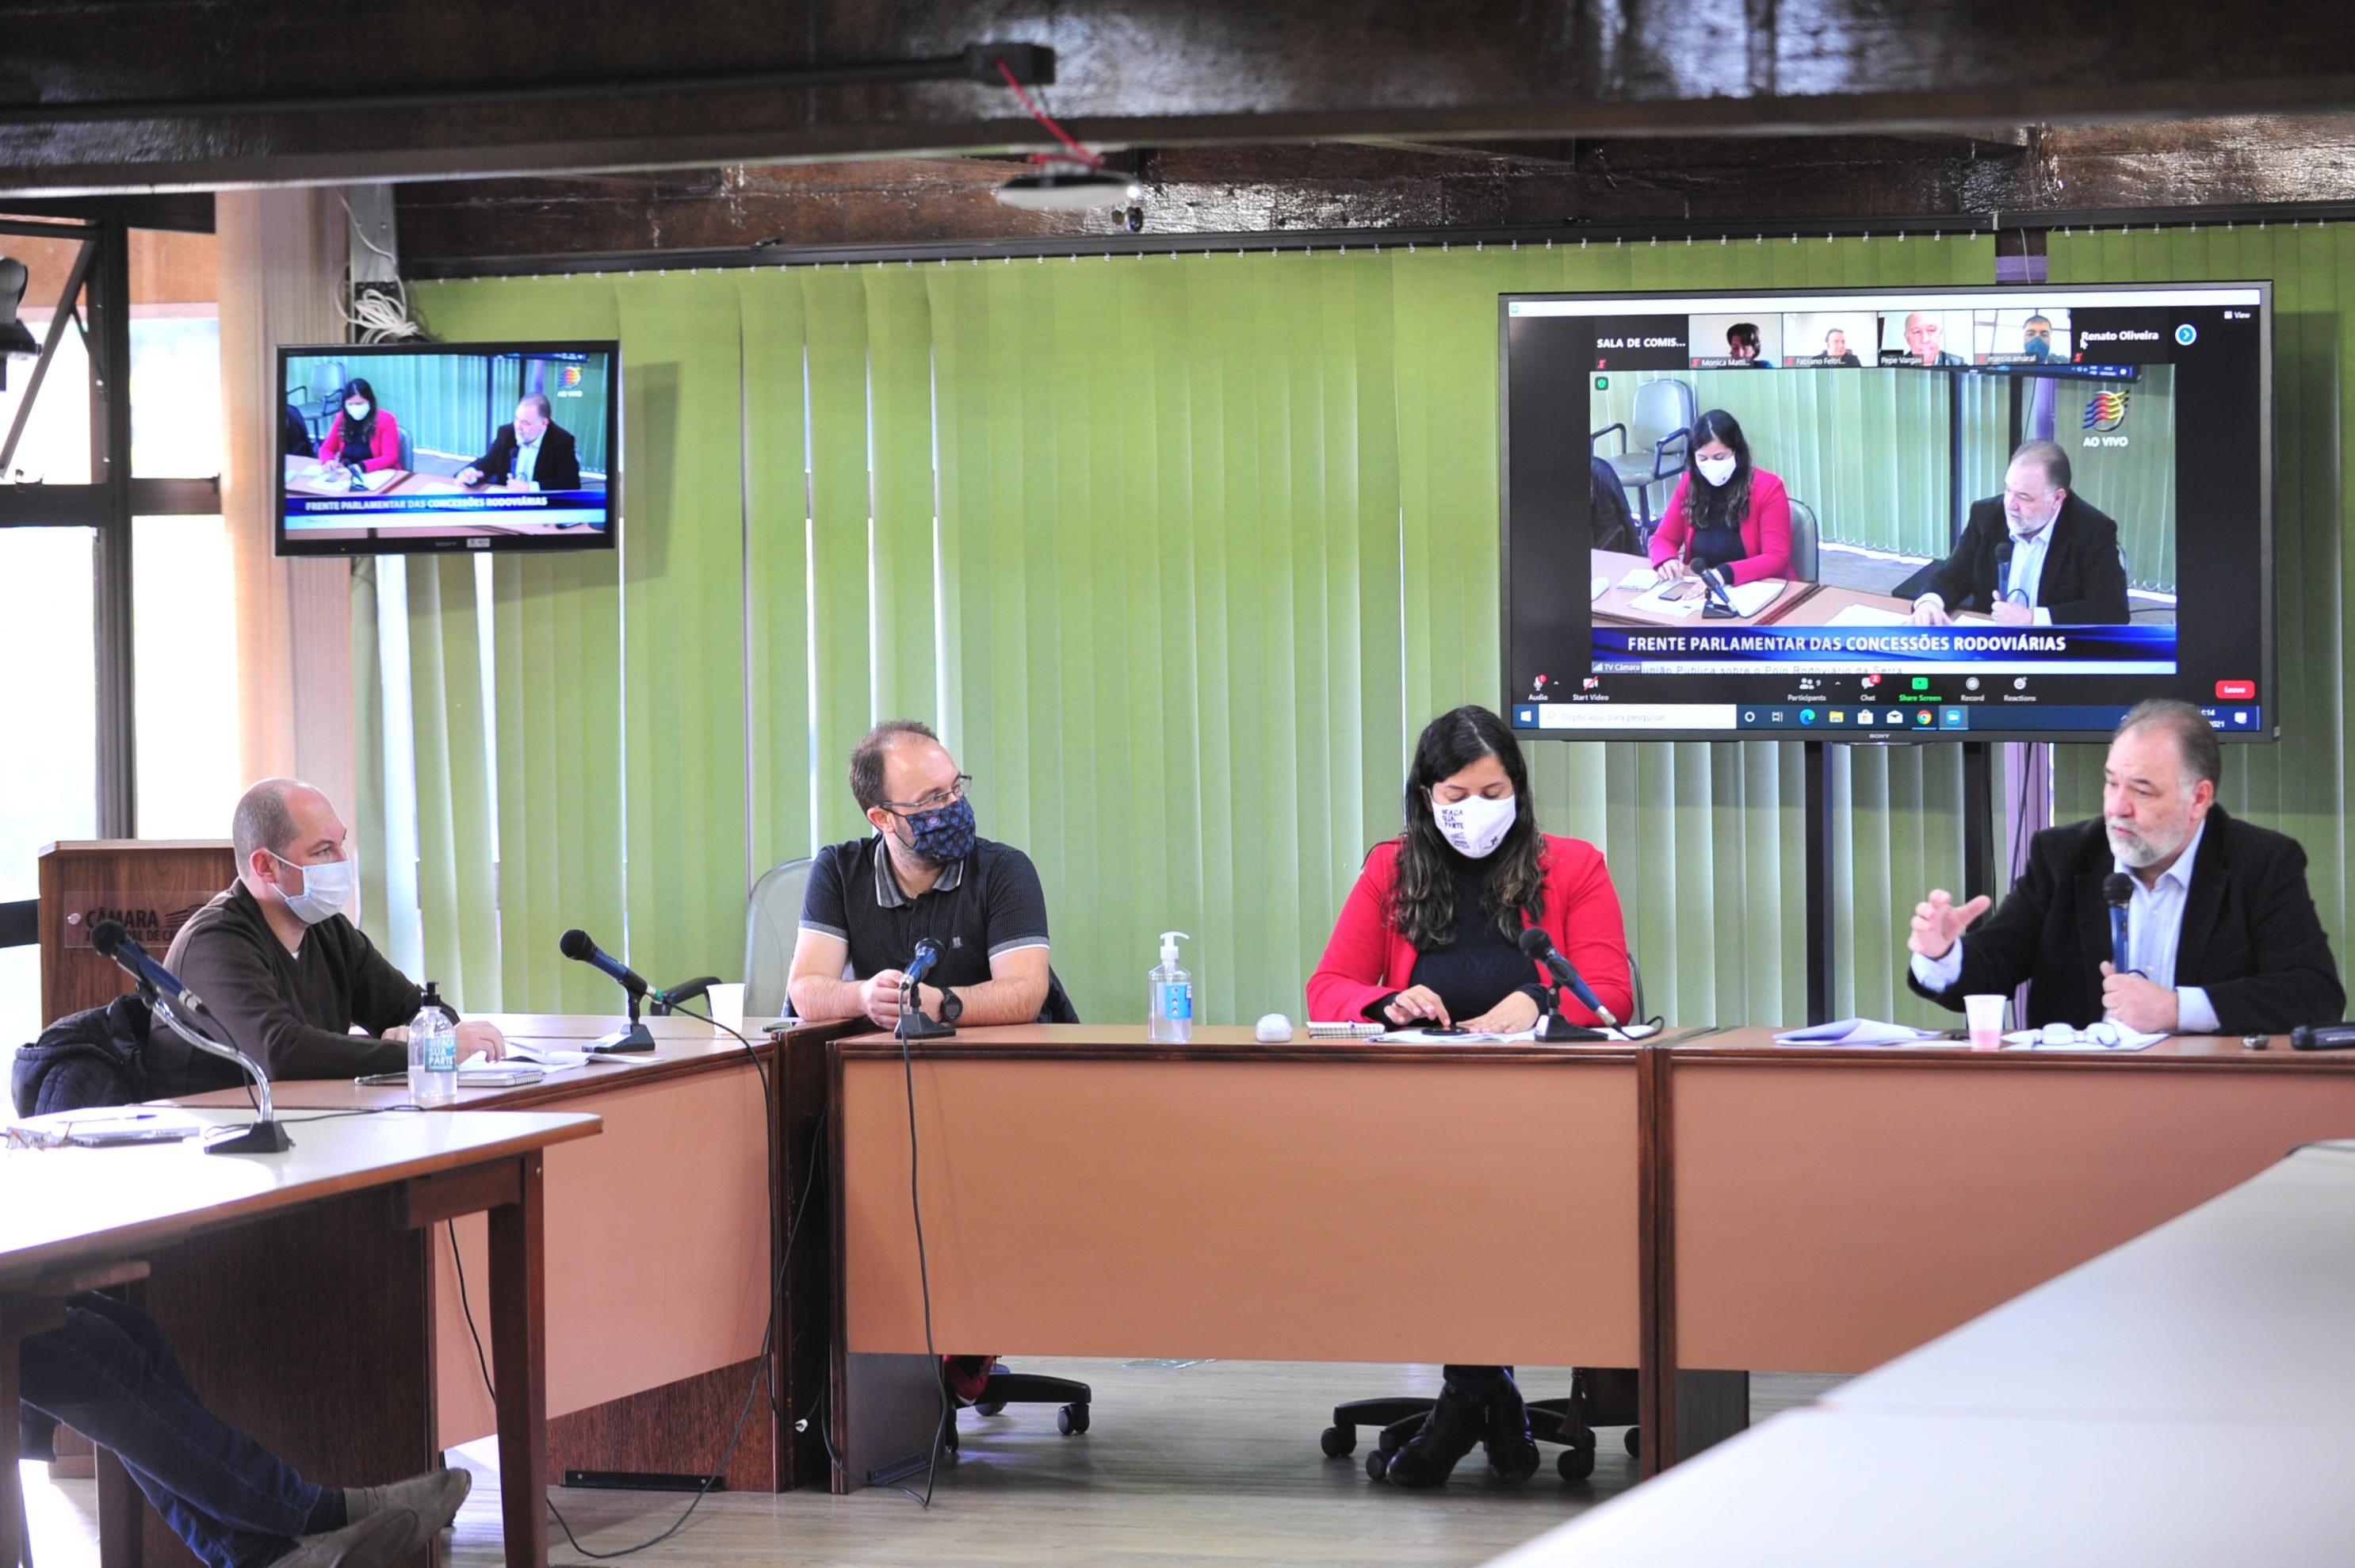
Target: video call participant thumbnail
[1836, 348]
[2037, 555]
[535, 449]
[1925, 340]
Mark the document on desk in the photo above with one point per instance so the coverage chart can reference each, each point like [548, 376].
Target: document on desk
[558, 1059]
[1520, 1036]
[2098, 1037]
[1597, 588]
[1862, 1031]
[1643, 580]
[1865, 615]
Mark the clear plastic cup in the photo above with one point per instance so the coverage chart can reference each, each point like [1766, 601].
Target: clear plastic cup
[1985, 1017]
[726, 1004]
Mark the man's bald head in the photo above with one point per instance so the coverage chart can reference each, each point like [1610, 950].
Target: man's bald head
[287, 819]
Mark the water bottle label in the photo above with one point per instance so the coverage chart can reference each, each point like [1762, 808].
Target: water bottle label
[1178, 1000]
[441, 1053]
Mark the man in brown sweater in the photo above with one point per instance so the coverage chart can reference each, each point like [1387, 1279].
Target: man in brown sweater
[283, 969]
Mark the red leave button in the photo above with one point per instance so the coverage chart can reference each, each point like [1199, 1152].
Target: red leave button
[2236, 691]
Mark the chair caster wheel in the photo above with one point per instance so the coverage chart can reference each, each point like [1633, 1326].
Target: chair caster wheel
[1071, 1420]
[989, 1407]
[1339, 1441]
[1575, 1463]
[1378, 1464]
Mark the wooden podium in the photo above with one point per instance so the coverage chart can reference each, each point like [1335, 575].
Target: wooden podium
[151, 885]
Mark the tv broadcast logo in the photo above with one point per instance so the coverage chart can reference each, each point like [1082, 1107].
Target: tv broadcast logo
[569, 377]
[2104, 412]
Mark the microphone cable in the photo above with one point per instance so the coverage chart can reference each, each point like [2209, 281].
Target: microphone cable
[768, 1336]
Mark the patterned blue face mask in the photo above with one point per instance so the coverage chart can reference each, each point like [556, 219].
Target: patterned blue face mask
[943, 836]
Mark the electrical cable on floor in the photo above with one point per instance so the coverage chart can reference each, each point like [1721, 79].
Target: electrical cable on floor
[768, 1336]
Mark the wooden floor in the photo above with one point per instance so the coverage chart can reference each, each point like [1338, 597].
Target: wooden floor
[1212, 1461]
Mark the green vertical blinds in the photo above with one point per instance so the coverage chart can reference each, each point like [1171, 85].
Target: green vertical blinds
[2299, 785]
[1178, 552]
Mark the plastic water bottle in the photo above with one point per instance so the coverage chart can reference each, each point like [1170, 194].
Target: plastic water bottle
[434, 1052]
[1169, 997]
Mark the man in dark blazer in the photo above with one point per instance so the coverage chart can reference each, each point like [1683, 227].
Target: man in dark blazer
[535, 447]
[2036, 555]
[2222, 936]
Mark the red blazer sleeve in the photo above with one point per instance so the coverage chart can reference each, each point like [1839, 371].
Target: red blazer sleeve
[1582, 917]
[331, 448]
[1766, 532]
[1353, 972]
[386, 451]
[1669, 534]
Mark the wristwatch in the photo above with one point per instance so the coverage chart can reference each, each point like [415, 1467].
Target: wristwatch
[952, 1005]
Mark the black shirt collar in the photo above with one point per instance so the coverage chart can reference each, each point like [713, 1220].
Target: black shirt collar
[888, 891]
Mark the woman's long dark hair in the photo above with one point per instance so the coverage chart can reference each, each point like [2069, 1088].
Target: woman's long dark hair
[1422, 904]
[1729, 502]
[362, 434]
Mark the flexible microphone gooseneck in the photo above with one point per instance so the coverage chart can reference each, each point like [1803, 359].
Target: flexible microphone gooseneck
[183, 1009]
[1539, 946]
[2118, 891]
[577, 945]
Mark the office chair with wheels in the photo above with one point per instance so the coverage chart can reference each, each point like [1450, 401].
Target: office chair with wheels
[1655, 444]
[772, 919]
[1002, 1387]
[1599, 1396]
[1804, 534]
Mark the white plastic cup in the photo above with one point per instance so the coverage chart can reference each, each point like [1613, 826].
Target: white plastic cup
[726, 1004]
[1985, 1016]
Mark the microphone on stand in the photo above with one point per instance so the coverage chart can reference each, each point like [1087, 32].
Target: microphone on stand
[182, 1008]
[1539, 946]
[913, 1022]
[2118, 891]
[577, 945]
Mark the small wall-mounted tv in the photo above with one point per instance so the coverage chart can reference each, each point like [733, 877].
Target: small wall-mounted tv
[390, 449]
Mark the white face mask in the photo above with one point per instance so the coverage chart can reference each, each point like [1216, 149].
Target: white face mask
[326, 889]
[1716, 470]
[1476, 824]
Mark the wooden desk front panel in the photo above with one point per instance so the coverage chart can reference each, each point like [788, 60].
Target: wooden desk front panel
[1831, 1216]
[1282, 1210]
[658, 1250]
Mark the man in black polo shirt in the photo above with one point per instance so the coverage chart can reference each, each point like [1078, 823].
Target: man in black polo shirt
[923, 874]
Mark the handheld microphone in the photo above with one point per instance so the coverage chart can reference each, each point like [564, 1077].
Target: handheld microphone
[2118, 891]
[2002, 572]
[1539, 946]
[180, 1007]
[576, 945]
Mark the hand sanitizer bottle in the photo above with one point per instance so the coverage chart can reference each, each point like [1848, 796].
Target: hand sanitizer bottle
[432, 1052]
[1169, 997]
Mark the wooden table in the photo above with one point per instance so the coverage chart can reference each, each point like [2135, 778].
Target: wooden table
[666, 1237]
[301, 1374]
[1829, 1208]
[2181, 1400]
[1087, 1194]
[1616, 605]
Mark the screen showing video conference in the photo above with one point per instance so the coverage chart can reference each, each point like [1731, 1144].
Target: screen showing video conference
[1999, 513]
[447, 446]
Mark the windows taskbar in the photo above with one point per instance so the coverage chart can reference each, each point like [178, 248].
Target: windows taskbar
[1835, 719]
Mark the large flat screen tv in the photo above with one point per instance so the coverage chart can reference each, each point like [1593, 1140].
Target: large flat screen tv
[395, 448]
[2001, 513]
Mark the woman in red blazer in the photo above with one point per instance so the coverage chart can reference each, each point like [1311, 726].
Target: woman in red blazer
[1431, 932]
[362, 427]
[1736, 524]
